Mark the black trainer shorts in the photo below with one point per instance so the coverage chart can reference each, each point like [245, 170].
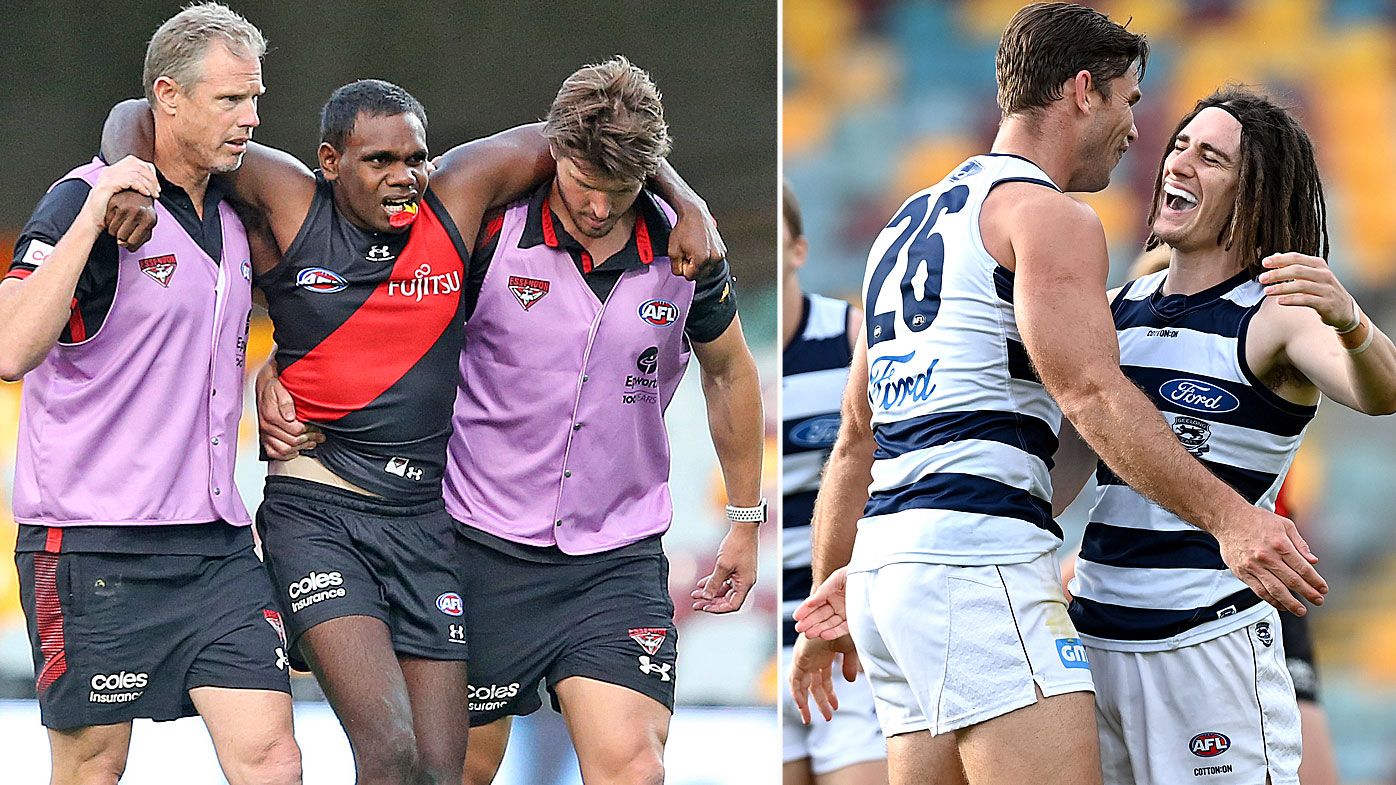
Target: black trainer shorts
[117, 637]
[609, 619]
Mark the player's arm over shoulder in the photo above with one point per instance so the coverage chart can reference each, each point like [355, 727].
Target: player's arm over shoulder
[470, 178]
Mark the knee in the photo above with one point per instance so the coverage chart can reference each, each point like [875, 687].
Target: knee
[393, 760]
[641, 767]
[275, 762]
[97, 766]
[93, 771]
[645, 769]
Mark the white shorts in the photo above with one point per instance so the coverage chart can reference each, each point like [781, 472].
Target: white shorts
[1219, 712]
[851, 737]
[948, 646]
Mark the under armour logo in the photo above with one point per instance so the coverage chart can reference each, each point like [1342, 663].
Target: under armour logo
[458, 633]
[280, 658]
[380, 253]
[650, 668]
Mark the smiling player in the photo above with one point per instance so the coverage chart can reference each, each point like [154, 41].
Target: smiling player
[1234, 343]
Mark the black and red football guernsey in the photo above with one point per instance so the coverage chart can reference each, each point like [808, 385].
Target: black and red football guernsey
[368, 330]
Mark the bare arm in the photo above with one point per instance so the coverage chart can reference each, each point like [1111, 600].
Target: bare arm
[1060, 267]
[732, 390]
[843, 491]
[269, 180]
[34, 310]
[1072, 466]
[1309, 305]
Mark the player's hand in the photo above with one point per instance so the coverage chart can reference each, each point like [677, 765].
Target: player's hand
[1307, 281]
[1267, 553]
[128, 174]
[812, 674]
[130, 218]
[733, 575]
[694, 244]
[824, 614]
[283, 436]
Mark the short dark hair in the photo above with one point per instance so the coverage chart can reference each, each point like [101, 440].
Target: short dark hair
[791, 207]
[1045, 44]
[1279, 203]
[373, 97]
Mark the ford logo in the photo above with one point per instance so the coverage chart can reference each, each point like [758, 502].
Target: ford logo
[1198, 396]
[818, 431]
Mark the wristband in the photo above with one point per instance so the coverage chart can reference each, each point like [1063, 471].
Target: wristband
[1366, 342]
[1356, 320]
[755, 514]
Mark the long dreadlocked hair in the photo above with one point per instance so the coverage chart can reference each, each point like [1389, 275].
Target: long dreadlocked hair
[1279, 203]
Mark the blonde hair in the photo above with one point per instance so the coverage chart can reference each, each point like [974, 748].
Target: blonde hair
[609, 116]
[178, 47]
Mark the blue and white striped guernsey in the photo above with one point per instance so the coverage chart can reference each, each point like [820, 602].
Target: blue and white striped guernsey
[814, 371]
[1146, 580]
[965, 431]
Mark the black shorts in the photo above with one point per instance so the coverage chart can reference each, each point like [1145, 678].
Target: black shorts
[121, 636]
[1299, 655]
[609, 619]
[334, 553]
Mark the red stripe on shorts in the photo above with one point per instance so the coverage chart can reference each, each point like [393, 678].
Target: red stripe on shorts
[49, 613]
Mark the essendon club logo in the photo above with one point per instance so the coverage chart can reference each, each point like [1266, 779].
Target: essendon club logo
[527, 290]
[274, 619]
[649, 638]
[160, 268]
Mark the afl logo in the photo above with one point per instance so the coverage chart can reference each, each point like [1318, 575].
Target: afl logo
[1198, 396]
[1209, 744]
[318, 279]
[660, 313]
[816, 432]
[450, 604]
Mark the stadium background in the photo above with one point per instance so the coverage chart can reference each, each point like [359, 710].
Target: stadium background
[883, 97]
[478, 68]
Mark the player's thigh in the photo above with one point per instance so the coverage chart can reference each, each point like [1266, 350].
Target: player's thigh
[796, 772]
[1051, 742]
[352, 657]
[922, 759]
[486, 751]
[439, 694]
[251, 732]
[869, 772]
[619, 733]
[96, 753]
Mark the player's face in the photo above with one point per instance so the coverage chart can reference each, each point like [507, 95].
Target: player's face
[381, 173]
[1111, 133]
[593, 203]
[1200, 178]
[215, 115]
